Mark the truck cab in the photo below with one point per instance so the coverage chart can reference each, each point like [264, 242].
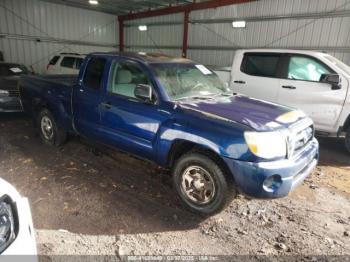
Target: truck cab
[314, 82]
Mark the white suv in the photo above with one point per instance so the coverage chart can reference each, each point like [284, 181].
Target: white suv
[65, 63]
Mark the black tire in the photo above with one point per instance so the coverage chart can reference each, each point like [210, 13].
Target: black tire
[347, 140]
[225, 189]
[58, 136]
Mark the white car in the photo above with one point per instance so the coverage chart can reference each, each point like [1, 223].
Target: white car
[315, 82]
[65, 64]
[17, 235]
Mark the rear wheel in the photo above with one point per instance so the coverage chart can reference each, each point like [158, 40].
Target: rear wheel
[50, 132]
[201, 183]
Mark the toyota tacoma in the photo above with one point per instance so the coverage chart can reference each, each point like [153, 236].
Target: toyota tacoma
[178, 114]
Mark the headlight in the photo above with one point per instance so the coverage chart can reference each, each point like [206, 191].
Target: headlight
[4, 93]
[7, 232]
[290, 116]
[267, 144]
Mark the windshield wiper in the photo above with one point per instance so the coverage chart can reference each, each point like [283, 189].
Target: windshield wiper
[194, 97]
[223, 94]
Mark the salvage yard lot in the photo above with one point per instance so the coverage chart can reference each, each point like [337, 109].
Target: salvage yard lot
[89, 200]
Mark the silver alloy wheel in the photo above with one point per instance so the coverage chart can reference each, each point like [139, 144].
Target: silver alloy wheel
[198, 185]
[46, 127]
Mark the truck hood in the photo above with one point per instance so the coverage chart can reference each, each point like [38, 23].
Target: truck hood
[256, 114]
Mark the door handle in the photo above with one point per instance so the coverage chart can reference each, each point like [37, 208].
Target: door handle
[239, 82]
[107, 105]
[289, 87]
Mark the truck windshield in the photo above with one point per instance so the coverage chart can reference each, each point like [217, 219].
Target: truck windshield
[183, 81]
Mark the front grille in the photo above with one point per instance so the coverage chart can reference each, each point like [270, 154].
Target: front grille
[11, 107]
[300, 136]
[13, 93]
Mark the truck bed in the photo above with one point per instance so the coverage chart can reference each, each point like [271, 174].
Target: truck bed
[67, 80]
[48, 91]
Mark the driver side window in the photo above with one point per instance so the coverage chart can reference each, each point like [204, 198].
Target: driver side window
[306, 68]
[124, 77]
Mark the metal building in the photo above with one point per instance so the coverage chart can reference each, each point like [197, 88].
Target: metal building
[47, 27]
[136, 156]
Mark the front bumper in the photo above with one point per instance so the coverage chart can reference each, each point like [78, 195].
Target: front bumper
[10, 104]
[250, 177]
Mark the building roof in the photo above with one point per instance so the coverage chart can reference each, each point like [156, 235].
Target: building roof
[122, 7]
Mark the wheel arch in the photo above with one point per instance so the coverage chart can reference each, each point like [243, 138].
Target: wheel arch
[181, 147]
[57, 111]
[346, 125]
[38, 106]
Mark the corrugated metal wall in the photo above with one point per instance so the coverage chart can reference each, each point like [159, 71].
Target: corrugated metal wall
[270, 23]
[211, 40]
[59, 28]
[158, 37]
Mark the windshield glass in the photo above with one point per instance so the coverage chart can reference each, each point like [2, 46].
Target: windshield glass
[338, 63]
[12, 69]
[182, 81]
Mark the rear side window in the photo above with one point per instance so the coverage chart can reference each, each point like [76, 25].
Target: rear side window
[94, 72]
[54, 60]
[260, 64]
[68, 61]
[78, 63]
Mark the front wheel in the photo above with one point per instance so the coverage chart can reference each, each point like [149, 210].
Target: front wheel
[50, 133]
[201, 184]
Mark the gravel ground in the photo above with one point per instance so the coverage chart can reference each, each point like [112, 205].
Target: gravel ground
[91, 201]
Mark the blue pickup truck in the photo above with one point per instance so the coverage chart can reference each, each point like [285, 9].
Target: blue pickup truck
[178, 114]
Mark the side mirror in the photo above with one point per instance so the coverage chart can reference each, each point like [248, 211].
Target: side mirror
[332, 79]
[143, 93]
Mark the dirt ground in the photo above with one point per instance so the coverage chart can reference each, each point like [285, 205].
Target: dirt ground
[90, 202]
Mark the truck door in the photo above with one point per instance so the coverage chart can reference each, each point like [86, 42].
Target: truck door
[256, 75]
[87, 97]
[301, 88]
[127, 122]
